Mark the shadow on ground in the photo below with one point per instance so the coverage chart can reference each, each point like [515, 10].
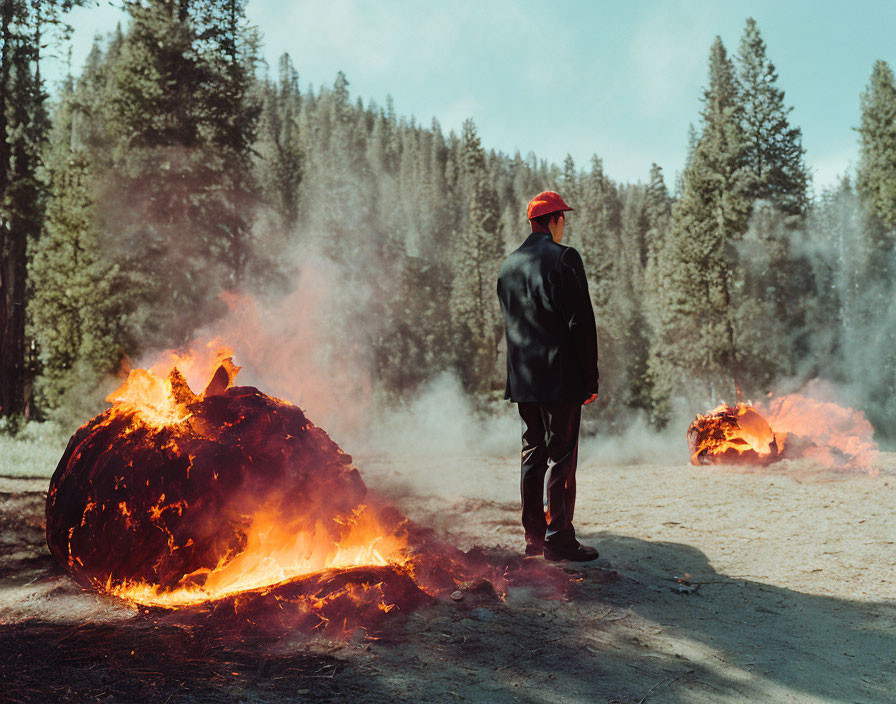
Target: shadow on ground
[643, 636]
[831, 648]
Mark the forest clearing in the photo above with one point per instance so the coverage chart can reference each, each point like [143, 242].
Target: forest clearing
[343, 524]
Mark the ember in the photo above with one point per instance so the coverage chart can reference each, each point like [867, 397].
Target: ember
[791, 427]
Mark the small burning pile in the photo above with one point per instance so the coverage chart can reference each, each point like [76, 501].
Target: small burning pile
[789, 427]
[732, 435]
[180, 500]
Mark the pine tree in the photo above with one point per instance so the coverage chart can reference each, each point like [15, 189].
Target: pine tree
[837, 315]
[435, 237]
[777, 290]
[180, 195]
[657, 211]
[628, 300]
[281, 155]
[657, 292]
[230, 108]
[597, 224]
[568, 188]
[78, 299]
[658, 204]
[24, 30]
[852, 323]
[876, 177]
[772, 146]
[874, 322]
[569, 181]
[478, 250]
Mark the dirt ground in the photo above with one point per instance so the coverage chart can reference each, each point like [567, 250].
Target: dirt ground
[714, 585]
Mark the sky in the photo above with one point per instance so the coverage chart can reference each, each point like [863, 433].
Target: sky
[622, 80]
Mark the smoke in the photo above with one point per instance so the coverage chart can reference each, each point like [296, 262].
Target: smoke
[441, 419]
[293, 347]
[301, 345]
[849, 335]
[312, 342]
[308, 345]
[639, 443]
[311, 345]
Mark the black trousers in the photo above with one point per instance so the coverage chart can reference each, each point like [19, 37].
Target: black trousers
[550, 448]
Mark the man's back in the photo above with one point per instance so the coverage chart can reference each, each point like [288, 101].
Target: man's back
[551, 339]
[551, 373]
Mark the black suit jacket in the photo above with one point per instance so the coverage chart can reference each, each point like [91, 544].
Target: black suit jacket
[551, 336]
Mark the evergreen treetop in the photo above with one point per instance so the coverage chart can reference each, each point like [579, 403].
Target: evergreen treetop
[876, 178]
[773, 147]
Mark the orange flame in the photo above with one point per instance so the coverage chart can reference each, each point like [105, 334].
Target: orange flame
[152, 393]
[274, 554]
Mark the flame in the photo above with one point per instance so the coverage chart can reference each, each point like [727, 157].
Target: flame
[197, 366]
[732, 433]
[273, 555]
[235, 502]
[153, 394]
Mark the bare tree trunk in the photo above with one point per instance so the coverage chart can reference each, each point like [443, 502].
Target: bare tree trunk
[11, 342]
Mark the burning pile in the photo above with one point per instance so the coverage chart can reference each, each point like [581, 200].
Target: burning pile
[732, 435]
[172, 498]
[790, 427]
[177, 499]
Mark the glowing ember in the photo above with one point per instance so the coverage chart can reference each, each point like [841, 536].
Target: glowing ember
[790, 427]
[172, 499]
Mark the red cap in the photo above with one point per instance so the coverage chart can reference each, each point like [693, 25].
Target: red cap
[544, 203]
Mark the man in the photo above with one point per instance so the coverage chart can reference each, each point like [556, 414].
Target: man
[551, 372]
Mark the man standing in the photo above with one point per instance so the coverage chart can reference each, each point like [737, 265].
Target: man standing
[551, 372]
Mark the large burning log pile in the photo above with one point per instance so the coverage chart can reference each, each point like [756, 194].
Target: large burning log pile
[232, 501]
[172, 498]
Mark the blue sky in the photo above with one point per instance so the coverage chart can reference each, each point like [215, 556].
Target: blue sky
[619, 79]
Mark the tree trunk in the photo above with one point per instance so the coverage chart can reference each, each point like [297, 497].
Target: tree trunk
[12, 358]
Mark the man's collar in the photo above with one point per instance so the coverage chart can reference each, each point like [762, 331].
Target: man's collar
[539, 235]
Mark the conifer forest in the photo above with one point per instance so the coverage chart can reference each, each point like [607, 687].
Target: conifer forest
[178, 168]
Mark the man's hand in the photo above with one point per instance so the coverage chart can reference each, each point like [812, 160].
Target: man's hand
[590, 399]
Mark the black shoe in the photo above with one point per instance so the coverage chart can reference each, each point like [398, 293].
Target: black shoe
[573, 553]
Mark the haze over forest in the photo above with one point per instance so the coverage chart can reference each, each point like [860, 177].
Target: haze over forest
[173, 179]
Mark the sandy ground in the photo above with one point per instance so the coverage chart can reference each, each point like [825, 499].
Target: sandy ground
[714, 585]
